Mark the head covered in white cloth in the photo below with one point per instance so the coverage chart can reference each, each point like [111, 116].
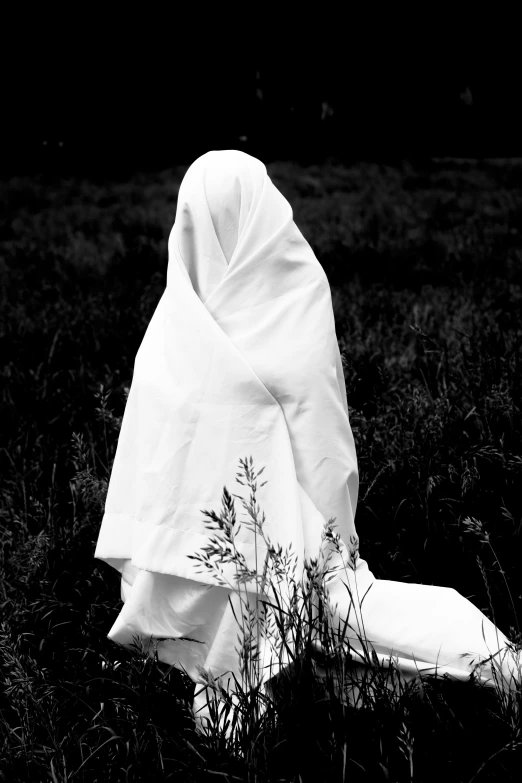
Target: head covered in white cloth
[240, 359]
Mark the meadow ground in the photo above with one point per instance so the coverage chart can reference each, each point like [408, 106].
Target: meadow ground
[425, 265]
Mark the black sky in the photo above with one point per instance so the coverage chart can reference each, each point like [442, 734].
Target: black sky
[162, 86]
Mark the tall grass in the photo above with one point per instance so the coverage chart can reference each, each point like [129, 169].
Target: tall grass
[425, 267]
[292, 617]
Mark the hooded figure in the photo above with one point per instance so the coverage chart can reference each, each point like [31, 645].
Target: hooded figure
[241, 359]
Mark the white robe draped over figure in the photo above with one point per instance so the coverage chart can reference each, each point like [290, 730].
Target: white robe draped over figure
[241, 359]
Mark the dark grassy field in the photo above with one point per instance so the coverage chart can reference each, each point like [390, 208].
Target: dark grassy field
[425, 264]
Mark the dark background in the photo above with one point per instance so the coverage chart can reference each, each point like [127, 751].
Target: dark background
[85, 90]
[424, 259]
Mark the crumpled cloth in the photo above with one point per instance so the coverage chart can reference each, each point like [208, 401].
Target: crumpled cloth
[421, 630]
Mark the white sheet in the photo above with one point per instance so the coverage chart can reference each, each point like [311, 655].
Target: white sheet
[241, 359]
